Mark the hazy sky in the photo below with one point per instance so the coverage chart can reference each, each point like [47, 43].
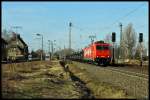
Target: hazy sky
[88, 18]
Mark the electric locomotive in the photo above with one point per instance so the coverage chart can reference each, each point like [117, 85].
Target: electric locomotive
[98, 52]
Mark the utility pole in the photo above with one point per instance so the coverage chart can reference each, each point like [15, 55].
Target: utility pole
[70, 25]
[52, 48]
[92, 38]
[16, 27]
[140, 41]
[113, 40]
[64, 53]
[120, 24]
[42, 46]
[95, 37]
[49, 49]
[59, 52]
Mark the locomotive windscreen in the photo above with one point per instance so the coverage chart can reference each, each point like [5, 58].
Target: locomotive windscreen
[98, 47]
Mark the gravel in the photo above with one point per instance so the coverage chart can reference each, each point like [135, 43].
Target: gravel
[135, 86]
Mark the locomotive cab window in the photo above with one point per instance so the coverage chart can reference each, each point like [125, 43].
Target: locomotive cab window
[102, 47]
[105, 47]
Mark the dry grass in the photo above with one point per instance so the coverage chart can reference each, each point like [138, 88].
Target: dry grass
[99, 89]
[37, 79]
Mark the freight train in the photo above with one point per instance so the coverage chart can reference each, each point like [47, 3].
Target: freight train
[97, 52]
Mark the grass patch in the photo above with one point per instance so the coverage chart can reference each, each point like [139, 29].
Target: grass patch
[37, 79]
[17, 77]
[99, 89]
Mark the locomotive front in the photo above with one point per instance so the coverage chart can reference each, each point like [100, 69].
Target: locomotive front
[98, 52]
[103, 53]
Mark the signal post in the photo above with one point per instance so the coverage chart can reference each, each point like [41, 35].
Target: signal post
[113, 40]
[140, 41]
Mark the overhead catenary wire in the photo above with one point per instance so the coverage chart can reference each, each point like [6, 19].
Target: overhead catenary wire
[124, 16]
[129, 13]
[120, 18]
[109, 27]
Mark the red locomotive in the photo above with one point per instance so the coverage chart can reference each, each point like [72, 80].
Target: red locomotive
[98, 52]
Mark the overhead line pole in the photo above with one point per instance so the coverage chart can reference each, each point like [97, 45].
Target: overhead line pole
[42, 46]
[120, 39]
[49, 49]
[16, 27]
[70, 25]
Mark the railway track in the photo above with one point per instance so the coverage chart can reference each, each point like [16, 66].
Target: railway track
[19, 61]
[129, 73]
[124, 70]
[134, 82]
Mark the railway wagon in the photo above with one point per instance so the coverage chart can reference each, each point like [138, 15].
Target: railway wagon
[98, 52]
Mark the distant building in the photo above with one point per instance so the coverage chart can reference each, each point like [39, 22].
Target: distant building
[17, 48]
[4, 45]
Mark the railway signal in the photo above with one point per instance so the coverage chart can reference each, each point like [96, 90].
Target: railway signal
[140, 37]
[113, 37]
[141, 40]
[113, 40]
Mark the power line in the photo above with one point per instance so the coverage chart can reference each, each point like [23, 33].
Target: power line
[129, 13]
[110, 27]
[141, 26]
[81, 29]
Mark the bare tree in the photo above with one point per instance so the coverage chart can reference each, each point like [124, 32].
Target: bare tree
[108, 38]
[141, 48]
[128, 41]
[145, 49]
[138, 50]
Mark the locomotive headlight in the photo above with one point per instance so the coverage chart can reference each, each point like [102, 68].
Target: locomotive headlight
[108, 56]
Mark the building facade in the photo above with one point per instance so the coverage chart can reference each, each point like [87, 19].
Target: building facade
[4, 45]
[17, 48]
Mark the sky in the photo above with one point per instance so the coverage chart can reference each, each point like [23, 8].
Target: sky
[51, 19]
